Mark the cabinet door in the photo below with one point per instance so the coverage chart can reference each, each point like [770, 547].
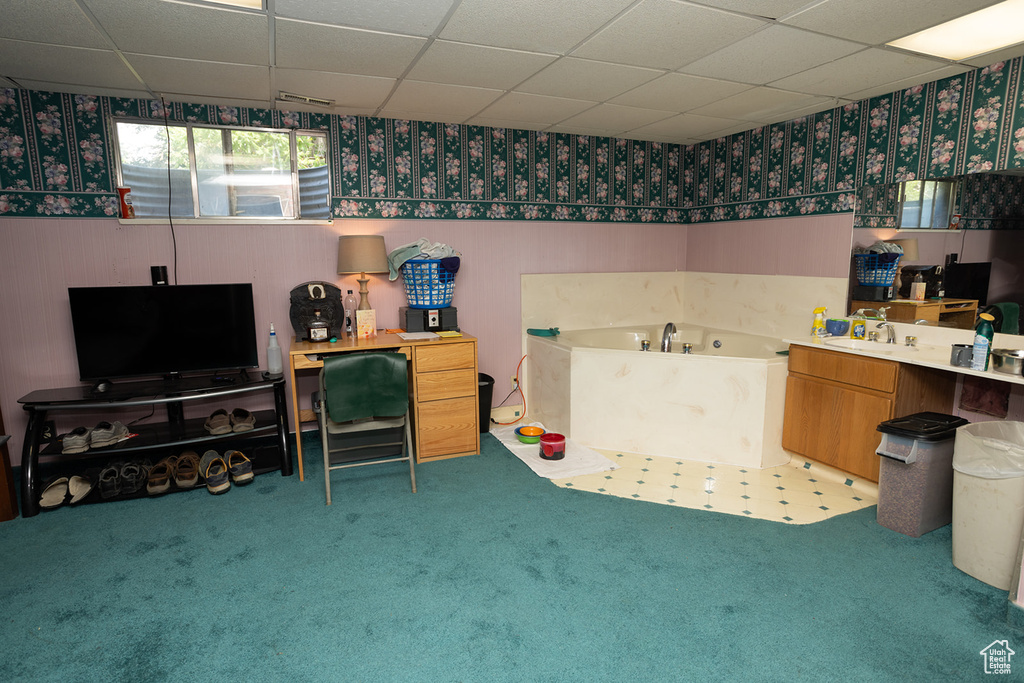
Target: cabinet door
[834, 424]
[446, 428]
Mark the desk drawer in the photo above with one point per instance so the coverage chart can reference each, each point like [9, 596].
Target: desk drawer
[446, 428]
[434, 386]
[434, 357]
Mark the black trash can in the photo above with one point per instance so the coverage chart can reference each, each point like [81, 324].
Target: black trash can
[486, 389]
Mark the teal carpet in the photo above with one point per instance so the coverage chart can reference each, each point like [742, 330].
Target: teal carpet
[489, 573]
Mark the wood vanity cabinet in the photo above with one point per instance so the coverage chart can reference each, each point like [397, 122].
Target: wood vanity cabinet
[835, 401]
[445, 388]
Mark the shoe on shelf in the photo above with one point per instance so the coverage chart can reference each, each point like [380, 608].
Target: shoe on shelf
[79, 486]
[242, 420]
[76, 441]
[107, 434]
[219, 422]
[240, 467]
[215, 472]
[55, 492]
[134, 475]
[161, 476]
[186, 470]
[110, 480]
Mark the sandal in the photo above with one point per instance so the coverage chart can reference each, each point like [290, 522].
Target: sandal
[54, 493]
[215, 472]
[218, 422]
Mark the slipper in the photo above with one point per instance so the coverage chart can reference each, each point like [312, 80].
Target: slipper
[79, 487]
[54, 493]
[242, 420]
[218, 422]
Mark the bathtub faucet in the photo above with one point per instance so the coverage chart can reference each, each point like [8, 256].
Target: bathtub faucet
[666, 337]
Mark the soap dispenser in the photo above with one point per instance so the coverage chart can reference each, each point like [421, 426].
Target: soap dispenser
[818, 326]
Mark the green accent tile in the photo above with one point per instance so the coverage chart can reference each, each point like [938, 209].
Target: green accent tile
[822, 507]
[707, 506]
[602, 490]
[858, 499]
[676, 474]
[645, 470]
[745, 497]
[788, 519]
[784, 502]
[640, 481]
[747, 512]
[818, 493]
[745, 483]
[807, 465]
[849, 482]
[635, 495]
[673, 486]
[607, 476]
[671, 500]
[781, 488]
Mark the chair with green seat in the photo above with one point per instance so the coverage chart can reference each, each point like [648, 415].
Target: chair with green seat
[364, 412]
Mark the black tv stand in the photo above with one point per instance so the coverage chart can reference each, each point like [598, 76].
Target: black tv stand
[267, 445]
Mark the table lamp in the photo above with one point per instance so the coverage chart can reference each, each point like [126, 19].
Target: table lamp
[362, 254]
[910, 253]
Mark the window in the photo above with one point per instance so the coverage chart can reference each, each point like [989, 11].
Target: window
[926, 204]
[198, 171]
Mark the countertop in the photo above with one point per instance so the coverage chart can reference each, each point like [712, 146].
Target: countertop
[934, 346]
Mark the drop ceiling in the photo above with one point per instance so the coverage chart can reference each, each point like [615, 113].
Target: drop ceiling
[662, 70]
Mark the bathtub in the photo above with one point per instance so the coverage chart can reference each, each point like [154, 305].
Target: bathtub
[722, 403]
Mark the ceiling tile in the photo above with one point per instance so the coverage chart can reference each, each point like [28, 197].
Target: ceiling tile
[494, 122]
[454, 100]
[678, 92]
[361, 92]
[990, 58]
[535, 108]
[583, 79]
[768, 55]
[475, 65]
[6, 83]
[187, 31]
[772, 9]
[328, 48]
[71, 65]
[411, 17]
[876, 22]
[77, 89]
[687, 126]
[208, 79]
[945, 72]
[583, 130]
[662, 34]
[616, 116]
[761, 104]
[857, 72]
[60, 22]
[536, 25]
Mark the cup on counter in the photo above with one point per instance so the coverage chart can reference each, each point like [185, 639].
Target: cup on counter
[961, 355]
[837, 327]
[552, 446]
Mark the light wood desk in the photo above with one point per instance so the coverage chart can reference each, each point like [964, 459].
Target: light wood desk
[959, 313]
[443, 388]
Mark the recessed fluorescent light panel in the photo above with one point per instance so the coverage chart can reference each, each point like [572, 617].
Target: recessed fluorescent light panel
[973, 34]
[248, 4]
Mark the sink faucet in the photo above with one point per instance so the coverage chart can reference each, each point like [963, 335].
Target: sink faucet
[875, 313]
[889, 330]
[666, 337]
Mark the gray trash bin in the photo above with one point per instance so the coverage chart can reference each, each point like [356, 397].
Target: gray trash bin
[988, 500]
[915, 475]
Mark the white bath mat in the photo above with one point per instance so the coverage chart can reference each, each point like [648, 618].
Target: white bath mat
[578, 459]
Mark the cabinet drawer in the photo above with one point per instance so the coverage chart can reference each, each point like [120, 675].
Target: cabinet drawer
[445, 357]
[859, 371]
[446, 428]
[434, 386]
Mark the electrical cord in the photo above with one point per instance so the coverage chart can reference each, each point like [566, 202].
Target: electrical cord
[170, 219]
[519, 388]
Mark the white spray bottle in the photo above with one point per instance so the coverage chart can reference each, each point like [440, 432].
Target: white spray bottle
[275, 367]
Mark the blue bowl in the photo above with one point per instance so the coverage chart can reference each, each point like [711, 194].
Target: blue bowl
[837, 327]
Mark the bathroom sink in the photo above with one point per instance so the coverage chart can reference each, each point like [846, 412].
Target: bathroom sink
[869, 346]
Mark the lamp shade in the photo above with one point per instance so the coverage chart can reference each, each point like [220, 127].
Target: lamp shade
[910, 252]
[362, 254]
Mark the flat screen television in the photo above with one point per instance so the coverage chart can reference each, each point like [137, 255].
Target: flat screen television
[167, 330]
[968, 281]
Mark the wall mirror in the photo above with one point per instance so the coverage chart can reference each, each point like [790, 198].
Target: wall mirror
[987, 210]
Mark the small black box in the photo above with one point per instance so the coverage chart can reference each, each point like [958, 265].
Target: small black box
[429, 319]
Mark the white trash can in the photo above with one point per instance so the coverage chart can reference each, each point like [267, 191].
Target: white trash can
[988, 500]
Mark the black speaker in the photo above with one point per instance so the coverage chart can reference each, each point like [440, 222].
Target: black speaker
[316, 296]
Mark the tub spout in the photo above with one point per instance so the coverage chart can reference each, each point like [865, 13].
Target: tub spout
[666, 337]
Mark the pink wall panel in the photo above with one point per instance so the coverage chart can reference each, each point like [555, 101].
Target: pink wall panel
[41, 258]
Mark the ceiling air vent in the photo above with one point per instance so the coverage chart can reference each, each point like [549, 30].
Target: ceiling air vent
[302, 99]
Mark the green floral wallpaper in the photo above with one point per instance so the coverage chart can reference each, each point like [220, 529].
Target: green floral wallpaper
[55, 158]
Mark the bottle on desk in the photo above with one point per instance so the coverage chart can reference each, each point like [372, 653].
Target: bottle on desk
[318, 329]
[275, 368]
[350, 303]
[917, 288]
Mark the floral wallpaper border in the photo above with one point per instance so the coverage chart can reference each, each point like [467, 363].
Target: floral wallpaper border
[55, 158]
